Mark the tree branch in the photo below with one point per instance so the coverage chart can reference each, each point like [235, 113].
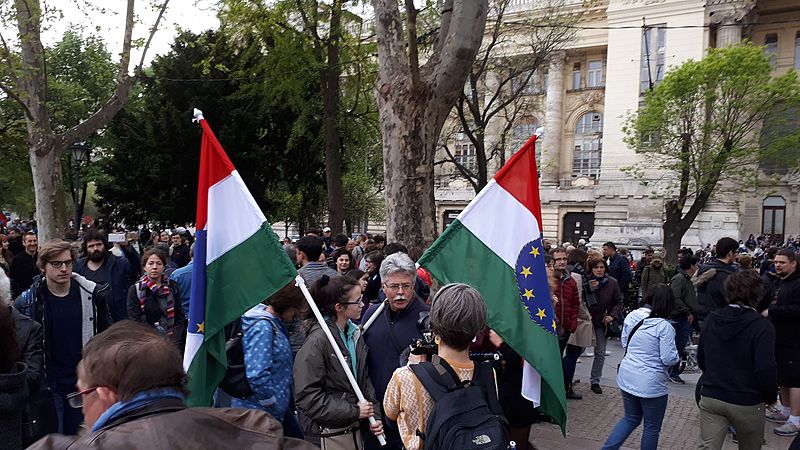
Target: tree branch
[125, 83]
[413, 49]
[13, 95]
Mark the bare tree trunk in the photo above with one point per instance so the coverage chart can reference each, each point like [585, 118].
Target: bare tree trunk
[331, 136]
[413, 104]
[51, 211]
[408, 150]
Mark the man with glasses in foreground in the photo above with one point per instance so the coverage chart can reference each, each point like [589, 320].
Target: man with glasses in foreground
[392, 333]
[71, 310]
[134, 402]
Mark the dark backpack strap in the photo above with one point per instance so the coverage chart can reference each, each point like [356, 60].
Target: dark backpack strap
[437, 377]
[484, 377]
[630, 336]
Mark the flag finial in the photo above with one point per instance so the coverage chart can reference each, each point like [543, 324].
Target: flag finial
[198, 115]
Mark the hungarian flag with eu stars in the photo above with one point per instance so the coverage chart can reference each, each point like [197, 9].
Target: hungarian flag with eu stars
[238, 262]
[495, 245]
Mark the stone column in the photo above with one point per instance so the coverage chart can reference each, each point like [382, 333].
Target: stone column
[729, 33]
[728, 17]
[553, 120]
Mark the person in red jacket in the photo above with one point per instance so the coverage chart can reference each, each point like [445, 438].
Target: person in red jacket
[565, 292]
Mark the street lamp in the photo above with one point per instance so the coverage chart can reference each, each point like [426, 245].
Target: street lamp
[80, 153]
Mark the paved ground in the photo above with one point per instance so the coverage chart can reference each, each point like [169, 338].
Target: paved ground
[591, 419]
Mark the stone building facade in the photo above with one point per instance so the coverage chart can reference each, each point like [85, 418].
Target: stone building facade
[588, 90]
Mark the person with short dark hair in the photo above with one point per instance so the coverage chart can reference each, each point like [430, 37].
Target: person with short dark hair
[98, 264]
[647, 258]
[179, 250]
[339, 242]
[784, 312]
[309, 250]
[649, 345]
[737, 356]
[71, 309]
[156, 300]
[342, 260]
[685, 308]
[131, 401]
[322, 390]
[617, 266]
[711, 291]
[373, 260]
[24, 266]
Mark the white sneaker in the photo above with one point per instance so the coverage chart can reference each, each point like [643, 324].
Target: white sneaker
[608, 353]
[589, 354]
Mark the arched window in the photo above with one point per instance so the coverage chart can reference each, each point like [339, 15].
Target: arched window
[520, 135]
[588, 145]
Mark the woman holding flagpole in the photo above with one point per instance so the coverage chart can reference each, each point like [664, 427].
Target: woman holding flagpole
[322, 390]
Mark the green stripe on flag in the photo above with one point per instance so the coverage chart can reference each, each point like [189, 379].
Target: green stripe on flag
[235, 282]
[458, 256]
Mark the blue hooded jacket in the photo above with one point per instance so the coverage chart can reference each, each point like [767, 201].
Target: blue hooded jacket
[268, 359]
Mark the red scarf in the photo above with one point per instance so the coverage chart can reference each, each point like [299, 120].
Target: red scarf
[146, 284]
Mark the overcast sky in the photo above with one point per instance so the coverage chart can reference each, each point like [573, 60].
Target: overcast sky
[193, 15]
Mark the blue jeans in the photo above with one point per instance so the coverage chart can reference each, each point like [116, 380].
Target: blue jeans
[682, 332]
[638, 408]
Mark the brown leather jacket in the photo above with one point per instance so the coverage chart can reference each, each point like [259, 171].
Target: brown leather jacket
[169, 425]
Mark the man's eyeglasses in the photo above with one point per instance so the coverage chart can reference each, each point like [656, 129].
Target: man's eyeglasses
[75, 399]
[60, 264]
[397, 287]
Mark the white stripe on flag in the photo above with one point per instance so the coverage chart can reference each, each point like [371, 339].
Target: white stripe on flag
[233, 216]
[501, 222]
[193, 343]
[531, 384]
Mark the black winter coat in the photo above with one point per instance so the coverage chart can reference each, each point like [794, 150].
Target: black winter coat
[737, 356]
[711, 294]
[30, 339]
[13, 390]
[123, 272]
[784, 312]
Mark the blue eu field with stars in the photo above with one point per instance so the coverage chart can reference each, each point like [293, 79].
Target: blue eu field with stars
[534, 290]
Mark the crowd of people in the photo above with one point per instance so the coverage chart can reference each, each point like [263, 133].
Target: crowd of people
[68, 345]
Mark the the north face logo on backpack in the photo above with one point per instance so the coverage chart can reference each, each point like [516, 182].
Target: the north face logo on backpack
[481, 440]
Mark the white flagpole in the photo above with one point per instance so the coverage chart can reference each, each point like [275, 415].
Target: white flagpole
[361, 399]
[374, 316]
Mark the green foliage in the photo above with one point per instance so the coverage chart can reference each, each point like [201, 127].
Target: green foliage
[293, 63]
[16, 183]
[701, 124]
[257, 112]
[80, 77]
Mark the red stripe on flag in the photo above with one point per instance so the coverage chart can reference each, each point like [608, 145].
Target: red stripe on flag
[214, 166]
[520, 178]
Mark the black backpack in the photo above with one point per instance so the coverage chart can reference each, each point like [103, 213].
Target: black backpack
[235, 381]
[466, 414]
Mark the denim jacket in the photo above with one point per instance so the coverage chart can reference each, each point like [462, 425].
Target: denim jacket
[651, 351]
[268, 359]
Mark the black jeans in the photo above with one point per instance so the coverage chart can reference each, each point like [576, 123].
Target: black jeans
[568, 363]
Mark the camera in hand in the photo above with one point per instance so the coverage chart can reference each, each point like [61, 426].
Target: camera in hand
[426, 345]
